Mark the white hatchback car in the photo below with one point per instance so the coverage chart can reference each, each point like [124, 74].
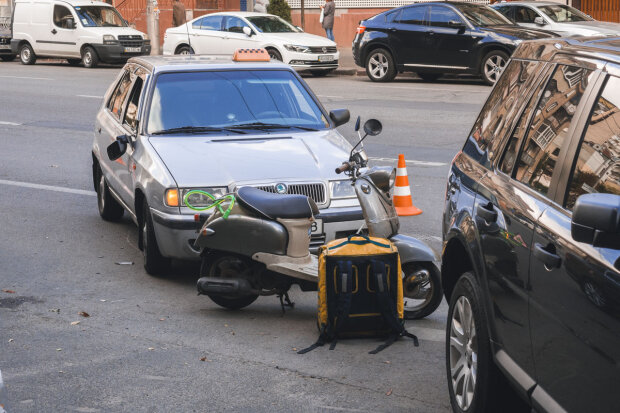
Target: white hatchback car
[223, 33]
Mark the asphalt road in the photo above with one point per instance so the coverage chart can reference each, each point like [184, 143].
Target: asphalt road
[143, 346]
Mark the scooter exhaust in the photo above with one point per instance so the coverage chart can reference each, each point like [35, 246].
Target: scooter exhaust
[230, 286]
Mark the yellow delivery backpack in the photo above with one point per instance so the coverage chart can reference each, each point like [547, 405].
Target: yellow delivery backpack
[360, 292]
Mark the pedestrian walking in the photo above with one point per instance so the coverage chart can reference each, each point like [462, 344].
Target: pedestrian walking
[329, 8]
[178, 13]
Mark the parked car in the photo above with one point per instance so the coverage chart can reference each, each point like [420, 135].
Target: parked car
[436, 38]
[5, 41]
[77, 30]
[559, 18]
[531, 236]
[198, 122]
[223, 33]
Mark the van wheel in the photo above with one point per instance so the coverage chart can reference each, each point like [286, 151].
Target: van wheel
[493, 65]
[154, 262]
[109, 208]
[90, 58]
[185, 50]
[8, 58]
[26, 55]
[74, 62]
[380, 66]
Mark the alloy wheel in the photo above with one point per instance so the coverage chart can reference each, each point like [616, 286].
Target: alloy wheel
[493, 67]
[378, 65]
[463, 353]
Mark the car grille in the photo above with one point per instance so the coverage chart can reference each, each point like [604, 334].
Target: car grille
[130, 41]
[317, 240]
[323, 49]
[5, 40]
[316, 191]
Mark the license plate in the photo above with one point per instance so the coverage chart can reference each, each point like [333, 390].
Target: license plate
[317, 227]
[133, 49]
[5, 46]
[326, 58]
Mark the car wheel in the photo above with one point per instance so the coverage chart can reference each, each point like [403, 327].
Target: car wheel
[74, 62]
[90, 58]
[185, 50]
[154, 262]
[26, 54]
[321, 73]
[493, 65]
[109, 208]
[380, 66]
[228, 266]
[429, 77]
[421, 290]
[274, 54]
[8, 58]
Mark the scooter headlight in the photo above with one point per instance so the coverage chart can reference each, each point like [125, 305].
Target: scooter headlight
[342, 189]
[199, 199]
[392, 178]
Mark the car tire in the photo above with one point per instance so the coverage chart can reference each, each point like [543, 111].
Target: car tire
[412, 289]
[154, 262]
[210, 267]
[274, 54]
[429, 77]
[321, 73]
[185, 50]
[8, 58]
[26, 54]
[380, 66]
[74, 62]
[492, 66]
[90, 58]
[109, 208]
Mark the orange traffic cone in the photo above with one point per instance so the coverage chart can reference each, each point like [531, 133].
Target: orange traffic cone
[402, 193]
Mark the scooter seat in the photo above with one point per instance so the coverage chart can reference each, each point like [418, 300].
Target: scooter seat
[272, 206]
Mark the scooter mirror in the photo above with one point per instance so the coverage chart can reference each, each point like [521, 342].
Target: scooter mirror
[373, 127]
[357, 124]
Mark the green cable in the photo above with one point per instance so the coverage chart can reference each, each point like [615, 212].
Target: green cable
[217, 202]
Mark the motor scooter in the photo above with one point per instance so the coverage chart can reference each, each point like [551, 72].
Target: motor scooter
[262, 246]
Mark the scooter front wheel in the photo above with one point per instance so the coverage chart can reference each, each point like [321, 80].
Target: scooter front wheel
[421, 289]
[228, 266]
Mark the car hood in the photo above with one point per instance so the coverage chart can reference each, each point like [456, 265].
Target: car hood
[519, 32]
[124, 31]
[302, 39]
[201, 161]
[590, 27]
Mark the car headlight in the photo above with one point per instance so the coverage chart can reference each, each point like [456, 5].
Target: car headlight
[342, 189]
[297, 48]
[145, 36]
[109, 39]
[198, 199]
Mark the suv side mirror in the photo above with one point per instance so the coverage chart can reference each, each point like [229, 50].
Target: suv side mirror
[596, 220]
[539, 21]
[455, 24]
[248, 32]
[340, 116]
[117, 148]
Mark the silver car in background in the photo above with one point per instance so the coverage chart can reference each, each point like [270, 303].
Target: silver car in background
[169, 125]
[564, 20]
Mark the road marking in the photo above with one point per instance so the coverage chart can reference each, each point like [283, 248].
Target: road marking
[331, 97]
[27, 77]
[9, 123]
[90, 96]
[410, 162]
[48, 187]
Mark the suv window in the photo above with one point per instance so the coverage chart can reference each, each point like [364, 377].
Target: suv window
[441, 16]
[524, 15]
[115, 104]
[234, 25]
[598, 164]
[208, 23]
[412, 15]
[62, 16]
[550, 125]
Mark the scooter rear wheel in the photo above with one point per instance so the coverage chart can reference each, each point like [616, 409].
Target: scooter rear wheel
[422, 293]
[228, 266]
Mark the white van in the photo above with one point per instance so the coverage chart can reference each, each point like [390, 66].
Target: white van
[77, 30]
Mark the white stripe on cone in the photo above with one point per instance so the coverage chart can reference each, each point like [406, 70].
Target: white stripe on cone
[401, 171]
[402, 191]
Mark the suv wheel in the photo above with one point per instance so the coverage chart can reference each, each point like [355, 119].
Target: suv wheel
[474, 382]
[109, 208]
[380, 66]
[154, 262]
[493, 65]
[26, 54]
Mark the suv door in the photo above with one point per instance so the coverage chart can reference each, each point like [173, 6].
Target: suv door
[207, 35]
[452, 46]
[408, 38]
[575, 287]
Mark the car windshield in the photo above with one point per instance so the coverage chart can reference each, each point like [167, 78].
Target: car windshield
[272, 24]
[564, 14]
[99, 16]
[482, 16]
[211, 101]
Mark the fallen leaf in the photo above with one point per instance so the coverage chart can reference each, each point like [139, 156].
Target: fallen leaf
[294, 348]
[58, 349]
[389, 392]
[53, 166]
[74, 323]
[387, 362]
[151, 348]
[54, 310]
[225, 325]
[8, 291]
[232, 332]
[124, 263]
[103, 301]
[84, 314]
[11, 340]
[203, 359]
[162, 319]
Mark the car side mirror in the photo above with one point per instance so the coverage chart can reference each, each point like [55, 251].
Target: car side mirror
[117, 148]
[248, 32]
[539, 21]
[373, 127]
[70, 23]
[596, 220]
[340, 116]
[357, 123]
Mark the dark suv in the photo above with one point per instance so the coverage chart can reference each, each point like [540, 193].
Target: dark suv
[436, 38]
[531, 235]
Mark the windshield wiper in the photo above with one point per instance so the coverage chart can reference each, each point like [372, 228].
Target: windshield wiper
[269, 126]
[195, 129]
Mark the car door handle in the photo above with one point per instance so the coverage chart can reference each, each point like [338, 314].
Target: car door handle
[487, 212]
[547, 255]
[392, 29]
[54, 31]
[430, 33]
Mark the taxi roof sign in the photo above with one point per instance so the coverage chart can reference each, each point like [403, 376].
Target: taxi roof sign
[251, 55]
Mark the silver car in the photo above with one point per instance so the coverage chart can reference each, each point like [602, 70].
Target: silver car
[559, 18]
[169, 125]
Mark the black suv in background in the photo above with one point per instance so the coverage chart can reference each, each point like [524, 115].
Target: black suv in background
[531, 235]
[436, 38]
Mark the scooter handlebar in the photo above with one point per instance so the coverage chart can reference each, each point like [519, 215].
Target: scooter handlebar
[344, 167]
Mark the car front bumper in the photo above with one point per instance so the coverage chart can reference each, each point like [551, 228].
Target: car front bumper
[118, 53]
[176, 233]
[311, 61]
